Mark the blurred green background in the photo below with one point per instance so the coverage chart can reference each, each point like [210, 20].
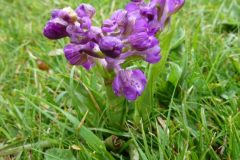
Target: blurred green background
[57, 111]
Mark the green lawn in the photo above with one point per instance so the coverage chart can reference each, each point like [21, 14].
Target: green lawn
[190, 109]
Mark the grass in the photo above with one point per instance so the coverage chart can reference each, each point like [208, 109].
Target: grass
[190, 109]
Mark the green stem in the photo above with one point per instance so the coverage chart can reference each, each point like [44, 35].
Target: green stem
[117, 108]
[144, 105]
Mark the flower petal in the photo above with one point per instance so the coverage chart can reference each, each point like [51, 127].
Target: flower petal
[55, 29]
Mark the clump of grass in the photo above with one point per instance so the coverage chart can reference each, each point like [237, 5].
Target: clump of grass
[193, 112]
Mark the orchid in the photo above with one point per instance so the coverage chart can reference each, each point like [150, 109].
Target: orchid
[128, 32]
[130, 83]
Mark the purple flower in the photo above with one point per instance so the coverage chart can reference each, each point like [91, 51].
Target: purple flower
[61, 18]
[77, 34]
[88, 64]
[133, 8]
[128, 32]
[140, 25]
[111, 46]
[129, 83]
[85, 23]
[74, 55]
[150, 12]
[55, 29]
[159, 3]
[67, 14]
[79, 55]
[85, 10]
[116, 24]
[174, 5]
[55, 13]
[170, 7]
[153, 27]
[95, 34]
[120, 17]
[151, 55]
[142, 41]
[137, 0]
[109, 26]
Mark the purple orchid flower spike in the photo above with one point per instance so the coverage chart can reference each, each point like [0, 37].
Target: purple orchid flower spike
[77, 34]
[137, 0]
[133, 8]
[80, 55]
[111, 46]
[95, 34]
[120, 17]
[56, 26]
[150, 12]
[116, 24]
[55, 29]
[109, 26]
[67, 14]
[129, 83]
[142, 41]
[174, 5]
[85, 23]
[170, 8]
[85, 10]
[152, 55]
[128, 32]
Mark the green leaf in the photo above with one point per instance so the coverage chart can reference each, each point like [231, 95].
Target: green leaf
[117, 109]
[90, 138]
[59, 154]
[175, 73]
[178, 39]
[236, 63]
